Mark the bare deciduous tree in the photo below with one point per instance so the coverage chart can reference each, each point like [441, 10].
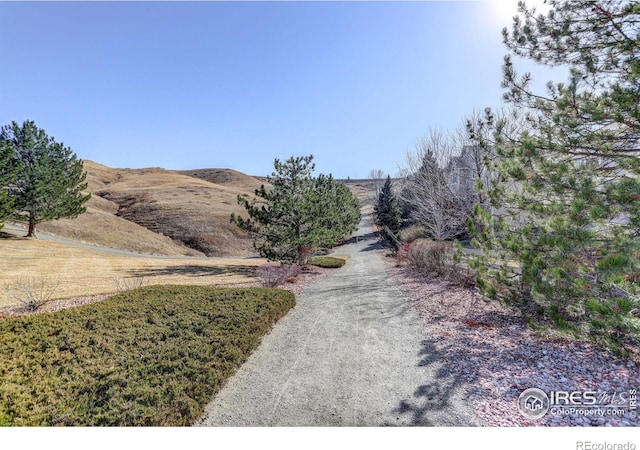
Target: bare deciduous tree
[448, 173]
[436, 186]
[377, 175]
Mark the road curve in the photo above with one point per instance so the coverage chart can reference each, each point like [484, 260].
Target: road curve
[351, 353]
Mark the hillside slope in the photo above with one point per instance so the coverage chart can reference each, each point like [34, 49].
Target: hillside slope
[165, 212]
[225, 177]
[187, 209]
[160, 211]
[100, 224]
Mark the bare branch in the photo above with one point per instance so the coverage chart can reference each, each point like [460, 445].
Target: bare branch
[32, 292]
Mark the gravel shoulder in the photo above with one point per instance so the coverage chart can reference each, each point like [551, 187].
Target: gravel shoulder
[498, 356]
[353, 352]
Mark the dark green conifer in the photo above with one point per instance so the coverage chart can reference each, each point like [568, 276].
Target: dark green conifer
[50, 180]
[8, 170]
[387, 209]
[563, 229]
[299, 213]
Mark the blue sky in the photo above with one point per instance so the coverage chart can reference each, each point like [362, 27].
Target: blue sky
[187, 85]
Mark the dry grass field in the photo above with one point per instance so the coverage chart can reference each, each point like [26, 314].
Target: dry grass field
[364, 190]
[82, 271]
[102, 226]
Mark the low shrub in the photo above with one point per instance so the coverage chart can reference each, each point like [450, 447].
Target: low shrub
[274, 275]
[402, 254]
[461, 275]
[412, 233]
[327, 262]
[32, 292]
[150, 357]
[436, 259]
[431, 257]
[127, 284]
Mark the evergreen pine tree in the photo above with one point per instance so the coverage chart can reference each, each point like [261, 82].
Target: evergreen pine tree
[567, 209]
[8, 170]
[51, 179]
[298, 213]
[387, 208]
[338, 209]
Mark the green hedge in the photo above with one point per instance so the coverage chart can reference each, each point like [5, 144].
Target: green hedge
[150, 357]
[328, 262]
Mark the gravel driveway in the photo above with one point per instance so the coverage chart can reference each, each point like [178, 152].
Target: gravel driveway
[351, 353]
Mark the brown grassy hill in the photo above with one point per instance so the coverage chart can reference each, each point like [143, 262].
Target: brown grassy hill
[226, 177]
[161, 211]
[186, 208]
[100, 224]
[166, 212]
[364, 190]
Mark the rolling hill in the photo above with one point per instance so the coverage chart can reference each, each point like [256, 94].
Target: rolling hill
[161, 211]
[167, 212]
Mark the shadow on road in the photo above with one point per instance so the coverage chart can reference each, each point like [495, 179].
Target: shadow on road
[360, 238]
[379, 245]
[376, 305]
[434, 398]
[193, 270]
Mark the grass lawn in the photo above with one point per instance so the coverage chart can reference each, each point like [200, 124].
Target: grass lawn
[150, 357]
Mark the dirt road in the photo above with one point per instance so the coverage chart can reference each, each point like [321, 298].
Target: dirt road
[20, 230]
[351, 353]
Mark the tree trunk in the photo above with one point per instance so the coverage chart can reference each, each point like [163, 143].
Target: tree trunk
[301, 257]
[304, 252]
[32, 229]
